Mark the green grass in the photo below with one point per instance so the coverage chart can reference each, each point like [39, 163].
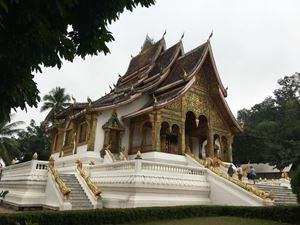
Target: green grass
[212, 221]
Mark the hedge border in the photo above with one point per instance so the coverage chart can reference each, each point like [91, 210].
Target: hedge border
[120, 216]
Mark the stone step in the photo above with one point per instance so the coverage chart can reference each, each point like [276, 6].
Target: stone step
[78, 197]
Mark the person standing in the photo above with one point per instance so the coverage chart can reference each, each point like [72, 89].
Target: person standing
[252, 174]
[230, 171]
[239, 172]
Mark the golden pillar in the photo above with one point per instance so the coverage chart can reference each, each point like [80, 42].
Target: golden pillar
[210, 142]
[60, 140]
[92, 121]
[182, 136]
[229, 148]
[155, 121]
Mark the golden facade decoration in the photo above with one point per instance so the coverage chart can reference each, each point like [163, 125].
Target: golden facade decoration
[113, 131]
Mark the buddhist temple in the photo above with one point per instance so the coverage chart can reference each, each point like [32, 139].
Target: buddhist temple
[162, 136]
[167, 101]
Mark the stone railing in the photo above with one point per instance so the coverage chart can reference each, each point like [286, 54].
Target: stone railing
[31, 170]
[119, 165]
[169, 168]
[96, 190]
[64, 189]
[248, 187]
[149, 166]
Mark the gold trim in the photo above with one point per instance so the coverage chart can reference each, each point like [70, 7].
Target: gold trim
[96, 190]
[209, 164]
[64, 189]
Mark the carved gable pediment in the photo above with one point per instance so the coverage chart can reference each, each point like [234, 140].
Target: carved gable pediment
[113, 123]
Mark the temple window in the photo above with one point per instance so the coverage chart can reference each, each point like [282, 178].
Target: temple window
[82, 132]
[68, 137]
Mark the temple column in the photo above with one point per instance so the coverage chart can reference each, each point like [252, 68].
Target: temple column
[229, 148]
[92, 121]
[210, 142]
[155, 122]
[60, 140]
[182, 136]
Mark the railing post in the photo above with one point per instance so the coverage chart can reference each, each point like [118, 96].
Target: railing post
[138, 165]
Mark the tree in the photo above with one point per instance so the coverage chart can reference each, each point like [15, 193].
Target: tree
[43, 33]
[56, 101]
[34, 139]
[272, 127]
[9, 146]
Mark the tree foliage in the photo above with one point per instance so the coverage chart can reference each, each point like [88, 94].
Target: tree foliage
[43, 33]
[56, 101]
[272, 127]
[34, 139]
[9, 146]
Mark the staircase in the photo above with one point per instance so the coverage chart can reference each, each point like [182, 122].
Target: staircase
[282, 195]
[78, 197]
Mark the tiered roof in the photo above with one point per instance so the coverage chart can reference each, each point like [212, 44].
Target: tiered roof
[165, 75]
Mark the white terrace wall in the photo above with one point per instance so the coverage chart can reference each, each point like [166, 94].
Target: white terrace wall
[121, 111]
[26, 183]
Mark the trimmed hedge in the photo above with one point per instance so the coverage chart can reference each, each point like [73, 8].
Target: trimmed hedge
[295, 183]
[119, 216]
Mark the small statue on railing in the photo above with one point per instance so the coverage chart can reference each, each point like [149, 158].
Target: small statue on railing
[35, 156]
[285, 175]
[138, 155]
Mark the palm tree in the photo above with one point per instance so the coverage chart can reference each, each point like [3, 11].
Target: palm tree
[9, 146]
[56, 101]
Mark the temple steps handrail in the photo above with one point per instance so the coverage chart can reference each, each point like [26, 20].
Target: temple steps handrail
[245, 186]
[91, 185]
[64, 189]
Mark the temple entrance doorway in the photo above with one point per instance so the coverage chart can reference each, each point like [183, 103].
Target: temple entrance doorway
[196, 130]
[169, 138]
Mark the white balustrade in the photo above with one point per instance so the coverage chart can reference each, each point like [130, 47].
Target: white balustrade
[148, 166]
[33, 169]
[170, 168]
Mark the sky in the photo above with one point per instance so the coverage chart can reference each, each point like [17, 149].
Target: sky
[255, 43]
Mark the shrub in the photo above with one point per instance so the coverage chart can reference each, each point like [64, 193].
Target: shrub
[295, 182]
[119, 216]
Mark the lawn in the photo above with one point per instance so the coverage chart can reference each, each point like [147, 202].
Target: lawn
[212, 221]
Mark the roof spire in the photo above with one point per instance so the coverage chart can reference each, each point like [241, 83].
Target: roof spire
[164, 33]
[182, 36]
[210, 36]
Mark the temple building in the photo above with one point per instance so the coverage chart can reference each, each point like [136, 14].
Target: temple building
[162, 137]
[167, 101]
